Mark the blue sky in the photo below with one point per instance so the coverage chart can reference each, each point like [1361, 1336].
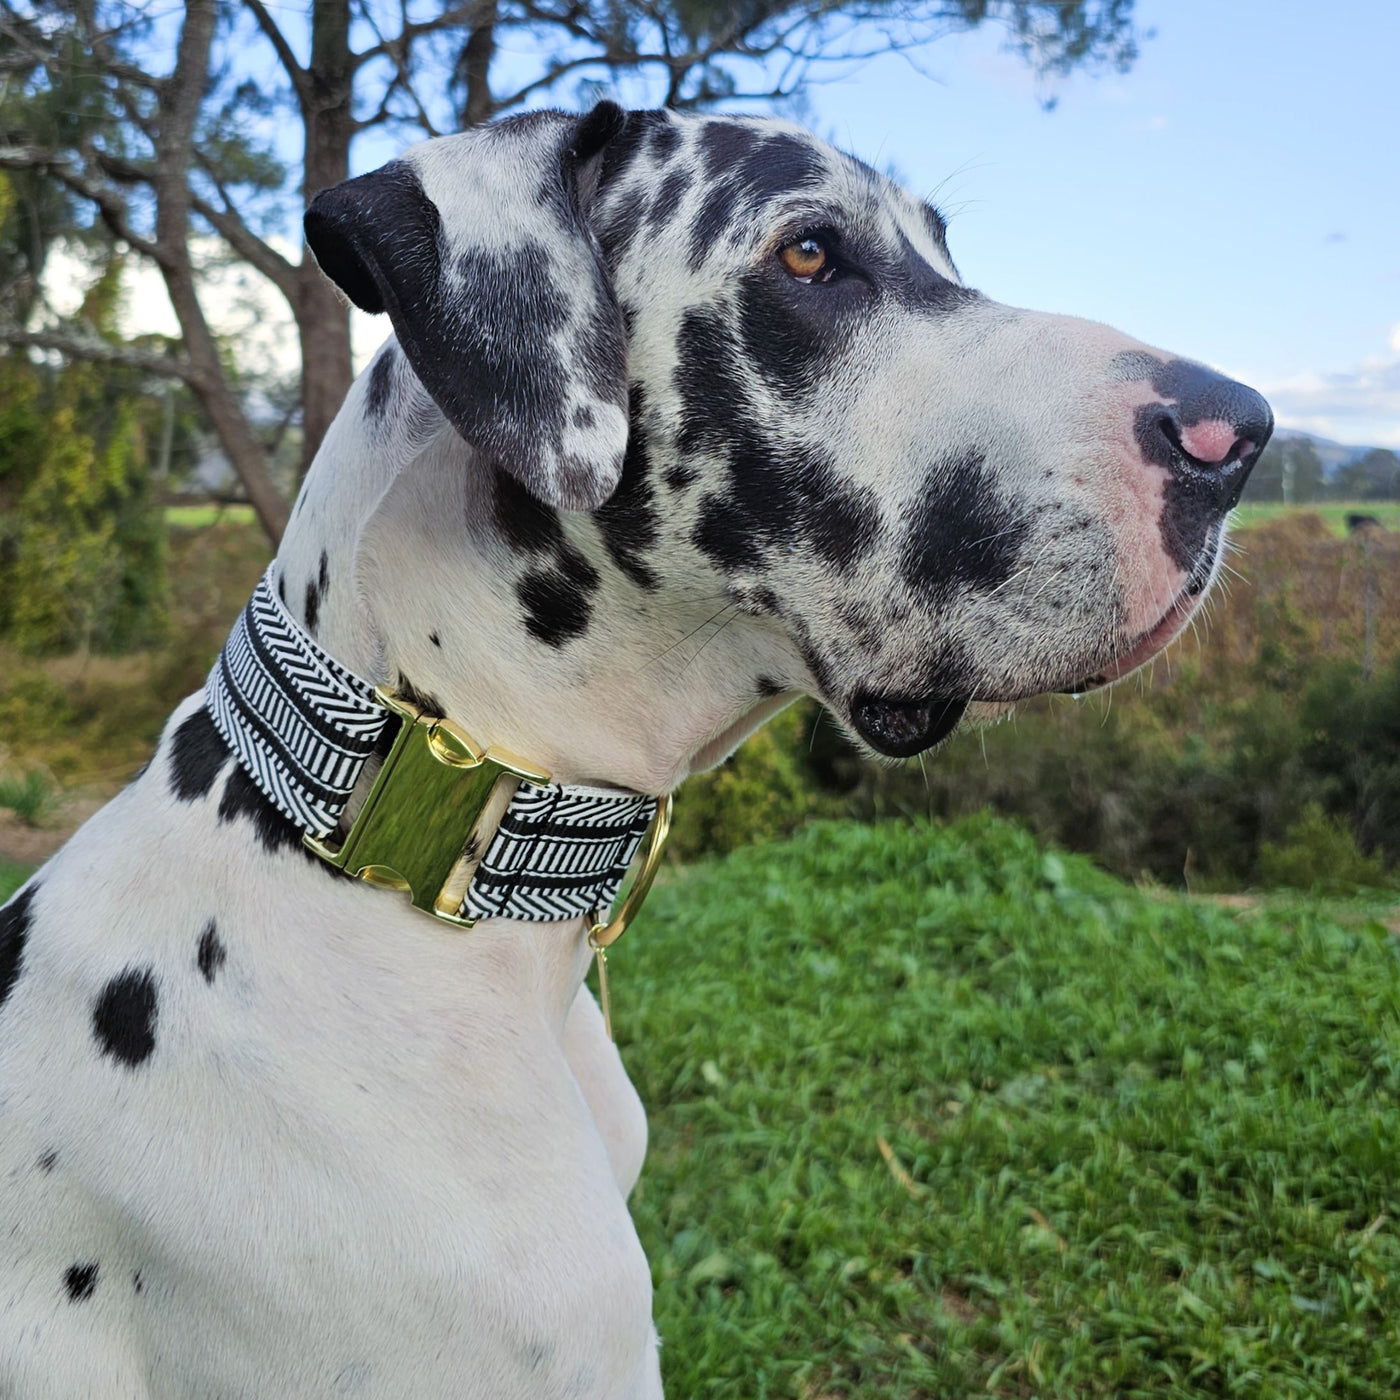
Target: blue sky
[1234, 197]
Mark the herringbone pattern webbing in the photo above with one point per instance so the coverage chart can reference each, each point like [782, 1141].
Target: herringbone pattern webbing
[303, 726]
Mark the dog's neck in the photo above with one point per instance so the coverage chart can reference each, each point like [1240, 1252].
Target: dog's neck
[396, 562]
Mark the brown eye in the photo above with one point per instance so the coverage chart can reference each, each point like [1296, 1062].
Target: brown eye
[806, 259]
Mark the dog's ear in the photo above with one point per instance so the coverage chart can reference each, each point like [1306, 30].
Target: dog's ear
[477, 248]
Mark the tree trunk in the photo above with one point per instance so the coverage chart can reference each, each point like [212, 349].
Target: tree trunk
[477, 54]
[179, 112]
[323, 319]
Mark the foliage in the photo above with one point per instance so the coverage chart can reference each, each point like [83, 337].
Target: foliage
[93, 720]
[82, 542]
[12, 876]
[762, 792]
[1290, 471]
[1318, 853]
[30, 795]
[180, 125]
[935, 1112]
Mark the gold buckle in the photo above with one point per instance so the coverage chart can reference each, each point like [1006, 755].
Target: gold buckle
[425, 811]
[603, 934]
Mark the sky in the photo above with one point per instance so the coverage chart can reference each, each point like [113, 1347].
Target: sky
[1234, 197]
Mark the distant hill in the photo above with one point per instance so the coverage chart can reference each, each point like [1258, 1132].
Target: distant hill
[1333, 455]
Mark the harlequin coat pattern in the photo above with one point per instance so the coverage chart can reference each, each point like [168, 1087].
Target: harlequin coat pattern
[681, 417]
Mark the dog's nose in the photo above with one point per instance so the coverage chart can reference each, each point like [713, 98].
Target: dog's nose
[1212, 434]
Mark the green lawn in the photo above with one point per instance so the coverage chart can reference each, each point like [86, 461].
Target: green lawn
[197, 517]
[937, 1114]
[1334, 513]
[12, 876]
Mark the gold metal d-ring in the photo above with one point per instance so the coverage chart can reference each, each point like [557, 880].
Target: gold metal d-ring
[602, 935]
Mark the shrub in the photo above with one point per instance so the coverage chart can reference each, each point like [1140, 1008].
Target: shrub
[1319, 854]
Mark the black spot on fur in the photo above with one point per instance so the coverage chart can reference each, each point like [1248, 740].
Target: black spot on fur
[747, 169]
[583, 417]
[282, 588]
[665, 138]
[381, 383]
[426, 703]
[242, 797]
[525, 523]
[768, 687]
[137, 1284]
[624, 146]
[778, 496]
[628, 519]
[480, 328]
[14, 932]
[124, 1016]
[80, 1281]
[668, 199]
[936, 225]
[48, 1161]
[197, 753]
[435, 639]
[557, 606]
[315, 591]
[963, 531]
[211, 954]
[681, 476]
[792, 334]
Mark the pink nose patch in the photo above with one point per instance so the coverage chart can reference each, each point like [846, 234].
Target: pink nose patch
[1212, 441]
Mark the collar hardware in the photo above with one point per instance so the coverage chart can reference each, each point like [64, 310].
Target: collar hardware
[468, 832]
[426, 809]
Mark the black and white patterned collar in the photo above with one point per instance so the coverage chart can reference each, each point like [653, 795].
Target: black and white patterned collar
[305, 729]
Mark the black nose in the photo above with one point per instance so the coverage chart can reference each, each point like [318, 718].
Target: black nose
[1208, 434]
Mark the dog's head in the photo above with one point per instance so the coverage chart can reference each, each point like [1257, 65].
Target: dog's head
[723, 359]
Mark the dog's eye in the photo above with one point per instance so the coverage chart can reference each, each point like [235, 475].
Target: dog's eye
[806, 259]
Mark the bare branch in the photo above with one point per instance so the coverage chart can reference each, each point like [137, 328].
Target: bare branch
[278, 40]
[395, 49]
[88, 347]
[260, 254]
[448, 19]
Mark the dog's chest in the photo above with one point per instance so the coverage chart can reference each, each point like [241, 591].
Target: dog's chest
[309, 1152]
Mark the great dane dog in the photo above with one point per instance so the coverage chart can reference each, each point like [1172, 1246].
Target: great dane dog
[683, 416]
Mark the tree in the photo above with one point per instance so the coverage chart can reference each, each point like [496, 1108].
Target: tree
[1374, 476]
[82, 543]
[185, 135]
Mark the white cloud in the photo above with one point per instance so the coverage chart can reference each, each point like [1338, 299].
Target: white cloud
[1358, 405]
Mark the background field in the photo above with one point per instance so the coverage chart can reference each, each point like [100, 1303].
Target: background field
[938, 1108]
[938, 1113]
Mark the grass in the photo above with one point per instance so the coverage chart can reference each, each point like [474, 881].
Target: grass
[30, 795]
[1332, 513]
[935, 1113]
[12, 876]
[200, 517]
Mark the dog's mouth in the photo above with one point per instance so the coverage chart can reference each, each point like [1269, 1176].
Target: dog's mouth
[1146, 646]
[900, 727]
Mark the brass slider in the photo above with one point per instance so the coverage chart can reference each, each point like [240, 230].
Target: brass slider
[425, 809]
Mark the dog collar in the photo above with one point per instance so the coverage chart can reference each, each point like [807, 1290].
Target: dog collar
[469, 832]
